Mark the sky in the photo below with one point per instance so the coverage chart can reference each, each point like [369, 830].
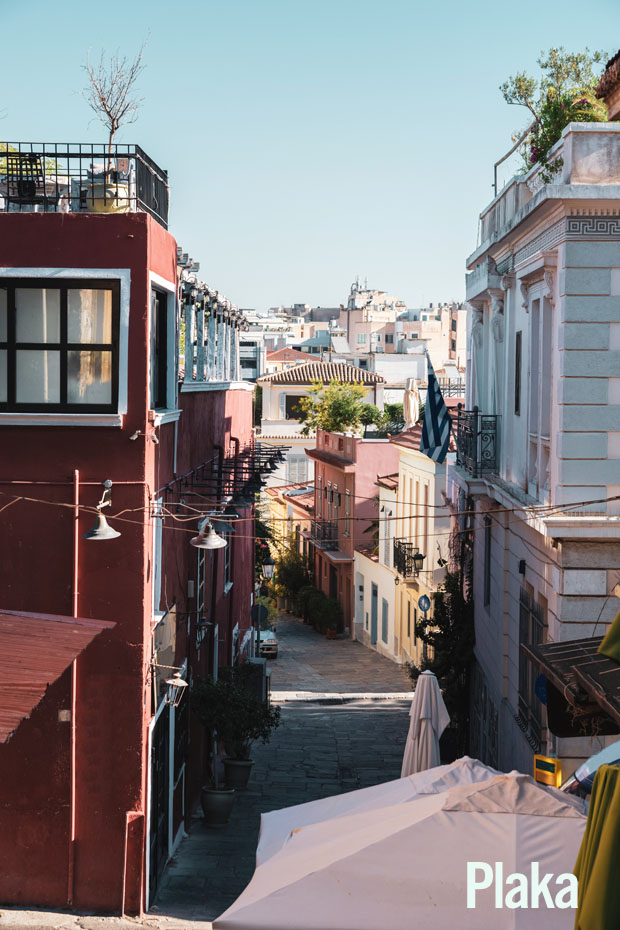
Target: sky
[307, 141]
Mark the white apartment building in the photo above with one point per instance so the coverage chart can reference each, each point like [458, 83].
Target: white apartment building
[539, 442]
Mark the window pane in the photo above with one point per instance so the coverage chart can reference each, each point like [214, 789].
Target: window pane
[89, 316]
[38, 314]
[3, 396]
[89, 377]
[38, 377]
[3, 314]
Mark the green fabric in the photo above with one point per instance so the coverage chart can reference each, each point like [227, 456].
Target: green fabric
[610, 646]
[598, 862]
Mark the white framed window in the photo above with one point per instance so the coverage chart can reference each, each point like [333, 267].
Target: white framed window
[296, 468]
[347, 512]
[361, 339]
[319, 495]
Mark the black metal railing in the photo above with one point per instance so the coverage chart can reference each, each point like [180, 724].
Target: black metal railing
[51, 177]
[452, 387]
[476, 442]
[325, 534]
[404, 562]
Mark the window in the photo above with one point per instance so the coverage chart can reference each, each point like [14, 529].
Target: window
[296, 468]
[518, 337]
[291, 407]
[388, 547]
[408, 619]
[532, 625]
[319, 496]
[487, 560]
[159, 350]
[389, 338]
[361, 338]
[378, 337]
[453, 325]
[347, 512]
[384, 620]
[59, 345]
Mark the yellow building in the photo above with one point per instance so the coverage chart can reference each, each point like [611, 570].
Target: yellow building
[291, 509]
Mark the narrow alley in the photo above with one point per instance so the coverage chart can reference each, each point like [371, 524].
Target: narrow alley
[324, 745]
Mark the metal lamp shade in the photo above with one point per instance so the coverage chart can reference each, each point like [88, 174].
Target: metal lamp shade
[208, 539]
[101, 529]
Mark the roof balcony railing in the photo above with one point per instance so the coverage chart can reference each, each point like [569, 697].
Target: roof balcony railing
[325, 534]
[51, 177]
[477, 442]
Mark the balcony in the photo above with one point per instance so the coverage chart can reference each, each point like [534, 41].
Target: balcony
[408, 559]
[476, 442]
[325, 535]
[50, 177]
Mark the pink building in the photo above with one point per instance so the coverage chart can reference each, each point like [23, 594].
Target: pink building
[345, 504]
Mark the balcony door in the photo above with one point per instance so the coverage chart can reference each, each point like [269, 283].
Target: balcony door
[374, 613]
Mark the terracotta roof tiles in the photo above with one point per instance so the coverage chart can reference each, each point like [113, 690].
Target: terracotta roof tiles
[325, 372]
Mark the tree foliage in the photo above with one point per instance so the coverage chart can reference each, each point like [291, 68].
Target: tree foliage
[336, 408]
[234, 713]
[450, 639]
[563, 93]
[291, 574]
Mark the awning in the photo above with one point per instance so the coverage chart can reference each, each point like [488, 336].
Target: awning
[588, 681]
[35, 649]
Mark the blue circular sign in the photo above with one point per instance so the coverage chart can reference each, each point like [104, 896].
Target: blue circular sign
[424, 603]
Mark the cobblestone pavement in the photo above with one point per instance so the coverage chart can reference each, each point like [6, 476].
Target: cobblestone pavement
[318, 750]
[310, 662]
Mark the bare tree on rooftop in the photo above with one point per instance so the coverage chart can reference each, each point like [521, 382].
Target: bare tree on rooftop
[111, 92]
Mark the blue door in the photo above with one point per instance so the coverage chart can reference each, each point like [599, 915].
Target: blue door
[374, 611]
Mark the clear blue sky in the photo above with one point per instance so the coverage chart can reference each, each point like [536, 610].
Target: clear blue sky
[307, 141]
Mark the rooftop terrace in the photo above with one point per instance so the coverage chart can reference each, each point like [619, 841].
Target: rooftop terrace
[52, 177]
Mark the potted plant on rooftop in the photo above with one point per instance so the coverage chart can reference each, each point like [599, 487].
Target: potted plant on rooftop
[238, 717]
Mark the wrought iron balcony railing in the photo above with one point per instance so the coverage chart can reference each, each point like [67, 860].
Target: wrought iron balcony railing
[325, 535]
[476, 442]
[51, 177]
[407, 558]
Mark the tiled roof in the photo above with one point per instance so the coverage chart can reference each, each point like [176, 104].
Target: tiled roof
[410, 438]
[325, 372]
[287, 355]
[610, 78]
[305, 501]
[388, 481]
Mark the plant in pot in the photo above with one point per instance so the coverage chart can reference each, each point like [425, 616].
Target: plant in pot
[238, 717]
[216, 800]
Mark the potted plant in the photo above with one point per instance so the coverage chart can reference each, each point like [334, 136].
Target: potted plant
[216, 800]
[238, 717]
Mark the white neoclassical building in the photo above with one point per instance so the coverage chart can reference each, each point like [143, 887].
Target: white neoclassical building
[539, 441]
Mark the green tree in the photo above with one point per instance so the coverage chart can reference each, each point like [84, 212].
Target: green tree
[450, 639]
[336, 408]
[291, 574]
[563, 93]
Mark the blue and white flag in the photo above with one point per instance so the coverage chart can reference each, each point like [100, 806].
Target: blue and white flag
[437, 423]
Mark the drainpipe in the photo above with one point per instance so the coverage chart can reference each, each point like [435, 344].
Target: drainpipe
[76, 537]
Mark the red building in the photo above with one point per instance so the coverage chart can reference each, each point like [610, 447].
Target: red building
[345, 504]
[99, 776]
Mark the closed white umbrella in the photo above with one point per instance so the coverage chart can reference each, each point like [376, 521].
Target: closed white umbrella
[411, 403]
[429, 718]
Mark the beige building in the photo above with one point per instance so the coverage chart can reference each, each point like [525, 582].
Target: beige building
[280, 424]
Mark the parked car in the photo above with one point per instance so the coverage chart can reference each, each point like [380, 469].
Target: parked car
[269, 644]
[580, 782]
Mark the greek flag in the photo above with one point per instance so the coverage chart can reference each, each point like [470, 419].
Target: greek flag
[437, 423]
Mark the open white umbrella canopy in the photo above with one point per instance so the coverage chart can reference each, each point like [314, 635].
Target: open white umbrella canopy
[405, 867]
[429, 718]
[277, 826]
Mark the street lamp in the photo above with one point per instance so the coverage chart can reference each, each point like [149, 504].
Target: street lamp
[418, 562]
[101, 529]
[268, 568]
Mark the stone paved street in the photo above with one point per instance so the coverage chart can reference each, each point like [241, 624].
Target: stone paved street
[309, 662]
[318, 750]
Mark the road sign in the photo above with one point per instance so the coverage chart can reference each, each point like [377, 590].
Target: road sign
[424, 603]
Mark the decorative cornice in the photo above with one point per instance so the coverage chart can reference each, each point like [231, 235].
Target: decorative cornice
[525, 294]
